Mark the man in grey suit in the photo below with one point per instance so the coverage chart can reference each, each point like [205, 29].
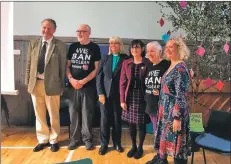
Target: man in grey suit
[45, 73]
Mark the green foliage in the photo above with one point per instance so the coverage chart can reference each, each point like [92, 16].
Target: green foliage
[207, 24]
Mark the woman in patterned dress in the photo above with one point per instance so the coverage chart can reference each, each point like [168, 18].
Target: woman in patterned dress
[172, 134]
[132, 90]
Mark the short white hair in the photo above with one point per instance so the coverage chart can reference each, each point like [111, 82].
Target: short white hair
[155, 44]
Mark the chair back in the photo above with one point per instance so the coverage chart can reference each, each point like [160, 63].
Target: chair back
[219, 124]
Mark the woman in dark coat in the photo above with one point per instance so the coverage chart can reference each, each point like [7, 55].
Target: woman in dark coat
[132, 90]
[107, 82]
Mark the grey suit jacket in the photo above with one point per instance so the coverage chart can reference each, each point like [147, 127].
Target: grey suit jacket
[54, 72]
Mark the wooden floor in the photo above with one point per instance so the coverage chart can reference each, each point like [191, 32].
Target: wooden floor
[17, 144]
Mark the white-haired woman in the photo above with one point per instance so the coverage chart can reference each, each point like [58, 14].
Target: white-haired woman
[155, 71]
[107, 83]
[172, 136]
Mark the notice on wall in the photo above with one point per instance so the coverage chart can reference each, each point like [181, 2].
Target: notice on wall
[196, 123]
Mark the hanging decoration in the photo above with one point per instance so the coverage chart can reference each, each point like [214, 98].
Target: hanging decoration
[161, 22]
[226, 48]
[183, 4]
[208, 82]
[200, 51]
[220, 85]
[165, 37]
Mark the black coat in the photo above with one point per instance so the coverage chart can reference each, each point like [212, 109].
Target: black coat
[107, 82]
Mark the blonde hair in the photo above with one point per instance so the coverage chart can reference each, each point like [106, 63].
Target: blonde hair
[182, 50]
[117, 40]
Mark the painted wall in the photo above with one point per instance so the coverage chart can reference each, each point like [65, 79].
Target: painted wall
[124, 19]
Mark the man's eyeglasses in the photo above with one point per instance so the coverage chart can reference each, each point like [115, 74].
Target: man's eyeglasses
[81, 31]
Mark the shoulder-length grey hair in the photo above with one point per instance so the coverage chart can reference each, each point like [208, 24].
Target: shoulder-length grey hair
[116, 39]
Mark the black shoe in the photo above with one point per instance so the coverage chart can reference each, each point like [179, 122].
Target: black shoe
[118, 148]
[89, 146]
[138, 154]
[103, 150]
[162, 161]
[55, 147]
[131, 152]
[72, 145]
[40, 147]
[154, 160]
[180, 161]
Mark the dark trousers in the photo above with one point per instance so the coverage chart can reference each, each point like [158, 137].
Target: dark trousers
[180, 161]
[110, 117]
[81, 108]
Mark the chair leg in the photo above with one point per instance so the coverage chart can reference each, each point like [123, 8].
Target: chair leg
[192, 157]
[204, 155]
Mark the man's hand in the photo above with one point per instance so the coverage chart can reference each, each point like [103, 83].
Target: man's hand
[75, 83]
[123, 106]
[102, 99]
[83, 81]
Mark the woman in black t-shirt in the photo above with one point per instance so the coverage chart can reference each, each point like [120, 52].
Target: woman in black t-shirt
[155, 71]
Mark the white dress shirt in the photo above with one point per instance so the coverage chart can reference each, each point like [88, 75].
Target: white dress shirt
[41, 76]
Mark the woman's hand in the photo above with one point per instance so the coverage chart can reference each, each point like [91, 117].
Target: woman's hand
[123, 106]
[155, 92]
[102, 99]
[191, 73]
[176, 125]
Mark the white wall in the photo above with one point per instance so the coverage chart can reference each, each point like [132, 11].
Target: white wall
[124, 19]
[7, 51]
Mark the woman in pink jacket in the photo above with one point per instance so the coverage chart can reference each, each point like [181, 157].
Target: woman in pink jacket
[132, 90]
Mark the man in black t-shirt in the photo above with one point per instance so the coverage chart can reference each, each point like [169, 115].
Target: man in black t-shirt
[82, 66]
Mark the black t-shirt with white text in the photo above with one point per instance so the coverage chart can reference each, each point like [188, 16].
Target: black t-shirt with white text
[153, 81]
[83, 58]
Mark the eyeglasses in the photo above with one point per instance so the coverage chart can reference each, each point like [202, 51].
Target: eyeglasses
[136, 46]
[81, 31]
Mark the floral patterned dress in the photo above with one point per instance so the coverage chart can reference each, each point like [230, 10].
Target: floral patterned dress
[173, 105]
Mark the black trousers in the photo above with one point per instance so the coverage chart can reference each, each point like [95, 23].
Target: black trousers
[180, 161]
[111, 117]
[81, 108]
